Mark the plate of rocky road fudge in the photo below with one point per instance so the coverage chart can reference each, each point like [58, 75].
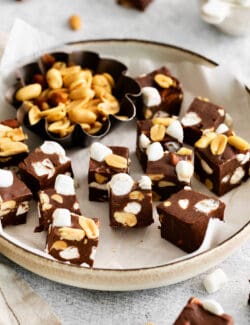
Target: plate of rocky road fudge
[124, 164]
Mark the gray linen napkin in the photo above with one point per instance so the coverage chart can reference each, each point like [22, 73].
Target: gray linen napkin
[19, 304]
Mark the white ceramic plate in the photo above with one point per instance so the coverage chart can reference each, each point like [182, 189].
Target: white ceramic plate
[141, 259]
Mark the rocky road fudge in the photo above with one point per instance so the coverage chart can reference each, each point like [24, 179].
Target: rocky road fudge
[130, 202]
[104, 163]
[62, 195]
[40, 168]
[221, 162]
[206, 312]
[12, 146]
[14, 199]
[184, 218]
[73, 238]
[162, 94]
[138, 4]
[203, 116]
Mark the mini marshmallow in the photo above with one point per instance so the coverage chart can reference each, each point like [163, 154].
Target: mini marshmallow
[237, 176]
[44, 167]
[121, 184]
[222, 128]
[183, 203]
[144, 141]
[155, 151]
[52, 147]
[133, 207]
[150, 96]
[243, 158]
[64, 185]
[175, 130]
[70, 253]
[184, 170]
[6, 178]
[207, 205]
[61, 218]
[215, 280]
[190, 119]
[213, 307]
[99, 151]
[145, 183]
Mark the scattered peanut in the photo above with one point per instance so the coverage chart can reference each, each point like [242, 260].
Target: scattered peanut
[75, 22]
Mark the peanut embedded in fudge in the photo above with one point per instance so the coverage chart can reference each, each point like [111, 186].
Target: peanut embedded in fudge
[104, 163]
[162, 94]
[221, 162]
[14, 199]
[130, 202]
[73, 238]
[184, 218]
[62, 195]
[206, 312]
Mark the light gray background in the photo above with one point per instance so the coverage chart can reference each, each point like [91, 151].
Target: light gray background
[175, 22]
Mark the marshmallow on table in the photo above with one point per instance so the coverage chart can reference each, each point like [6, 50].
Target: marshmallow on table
[215, 281]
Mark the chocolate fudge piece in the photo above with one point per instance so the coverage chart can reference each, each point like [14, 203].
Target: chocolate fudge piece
[207, 312]
[138, 4]
[168, 131]
[12, 146]
[130, 202]
[221, 162]
[73, 238]
[203, 116]
[61, 196]
[104, 163]
[162, 94]
[40, 168]
[184, 218]
[14, 199]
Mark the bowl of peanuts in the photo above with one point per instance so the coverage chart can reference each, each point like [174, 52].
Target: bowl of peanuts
[73, 98]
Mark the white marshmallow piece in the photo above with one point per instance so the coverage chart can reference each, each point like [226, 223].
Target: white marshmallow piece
[144, 141]
[61, 218]
[222, 128]
[175, 130]
[99, 151]
[52, 147]
[155, 151]
[184, 170]
[150, 96]
[207, 205]
[133, 207]
[215, 281]
[145, 183]
[213, 307]
[6, 178]
[70, 253]
[64, 185]
[184, 203]
[237, 176]
[190, 119]
[121, 184]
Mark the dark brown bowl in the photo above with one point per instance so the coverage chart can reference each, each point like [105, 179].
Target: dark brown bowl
[126, 90]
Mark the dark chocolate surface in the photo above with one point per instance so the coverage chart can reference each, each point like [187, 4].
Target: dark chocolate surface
[138, 4]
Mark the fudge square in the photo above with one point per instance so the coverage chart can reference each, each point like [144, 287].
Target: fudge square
[138, 4]
[14, 199]
[221, 162]
[73, 238]
[207, 312]
[203, 116]
[12, 146]
[40, 168]
[130, 202]
[62, 195]
[184, 218]
[162, 94]
[166, 130]
[168, 171]
[103, 164]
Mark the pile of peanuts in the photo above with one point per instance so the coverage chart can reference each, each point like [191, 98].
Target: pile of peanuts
[70, 95]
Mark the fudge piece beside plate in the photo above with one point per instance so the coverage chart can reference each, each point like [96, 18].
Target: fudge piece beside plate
[184, 218]
[222, 162]
[130, 202]
[207, 312]
[204, 116]
[162, 94]
[62, 195]
[12, 146]
[40, 168]
[137, 4]
[73, 238]
[104, 163]
[14, 199]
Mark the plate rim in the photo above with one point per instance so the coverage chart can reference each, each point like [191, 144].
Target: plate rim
[7, 245]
